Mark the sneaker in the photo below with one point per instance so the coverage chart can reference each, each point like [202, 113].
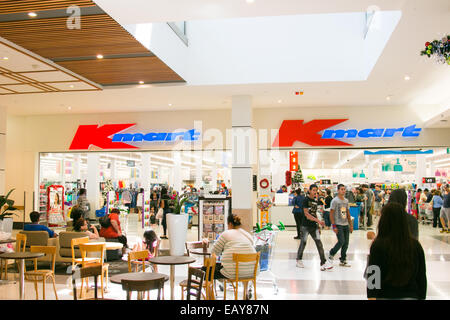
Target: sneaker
[300, 264]
[297, 238]
[330, 257]
[326, 266]
[344, 264]
[443, 231]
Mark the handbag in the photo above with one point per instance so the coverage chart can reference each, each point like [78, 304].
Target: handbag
[159, 214]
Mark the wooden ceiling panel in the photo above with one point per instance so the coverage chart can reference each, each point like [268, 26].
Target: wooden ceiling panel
[123, 70]
[14, 6]
[52, 39]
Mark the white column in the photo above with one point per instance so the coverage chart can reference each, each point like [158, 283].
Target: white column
[214, 177]
[2, 149]
[199, 170]
[113, 169]
[432, 168]
[93, 181]
[76, 167]
[146, 171]
[177, 171]
[242, 156]
[421, 170]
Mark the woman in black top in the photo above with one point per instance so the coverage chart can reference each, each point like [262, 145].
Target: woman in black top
[396, 267]
[326, 213]
[165, 206]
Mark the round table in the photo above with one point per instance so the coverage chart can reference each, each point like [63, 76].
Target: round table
[172, 261]
[202, 252]
[22, 256]
[138, 276]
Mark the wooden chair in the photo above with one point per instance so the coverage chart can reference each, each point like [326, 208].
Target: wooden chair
[93, 270]
[142, 286]
[138, 258]
[99, 248]
[43, 274]
[21, 243]
[194, 282]
[238, 258]
[194, 245]
[209, 283]
[76, 242]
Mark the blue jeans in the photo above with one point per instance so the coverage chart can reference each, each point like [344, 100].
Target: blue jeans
[343, 236]
[326, 217]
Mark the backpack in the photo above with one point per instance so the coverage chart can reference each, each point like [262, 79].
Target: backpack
[105, 221]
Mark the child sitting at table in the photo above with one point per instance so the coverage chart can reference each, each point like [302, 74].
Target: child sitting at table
[149, 243]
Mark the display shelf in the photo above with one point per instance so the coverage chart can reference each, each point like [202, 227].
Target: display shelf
[213, 214]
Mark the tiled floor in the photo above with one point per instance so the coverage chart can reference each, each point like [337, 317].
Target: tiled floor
[294, 284]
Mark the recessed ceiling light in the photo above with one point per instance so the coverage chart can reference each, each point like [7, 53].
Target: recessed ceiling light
[72, 86]
[250, 1]
[170, 104]
[99, 56]
[141, 82]
[32, 14]
[280, 101]
[5, 58]
[407, 78]
[69, 108]
[388, 98]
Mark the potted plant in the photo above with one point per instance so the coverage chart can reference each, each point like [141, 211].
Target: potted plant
[6, 206]
[177, 224]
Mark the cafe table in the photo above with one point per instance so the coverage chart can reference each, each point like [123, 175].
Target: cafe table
[21, 256]
[138, 276]
[205, 252]
[172, 261]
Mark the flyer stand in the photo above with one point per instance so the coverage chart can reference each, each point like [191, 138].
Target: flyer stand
[55, 206]
[146, 210]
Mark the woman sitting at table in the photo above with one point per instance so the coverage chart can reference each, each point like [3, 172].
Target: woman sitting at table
[82, 226]
[114, 231]
[234, 240]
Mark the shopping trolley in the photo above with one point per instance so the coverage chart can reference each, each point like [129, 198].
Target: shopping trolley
[265, 241]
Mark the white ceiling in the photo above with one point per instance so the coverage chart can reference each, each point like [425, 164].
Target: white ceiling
[421, 21]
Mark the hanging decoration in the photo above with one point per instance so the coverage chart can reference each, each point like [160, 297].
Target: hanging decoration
[288, 178]
[293, 160]
[439, 50]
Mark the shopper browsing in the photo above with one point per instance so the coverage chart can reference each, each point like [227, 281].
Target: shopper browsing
[397, 259]
[310, 226]
[445, 211]
[437, 203]
[326, 212]
[378, 195]
[342, 226]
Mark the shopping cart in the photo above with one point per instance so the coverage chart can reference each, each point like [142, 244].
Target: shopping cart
[265, 241]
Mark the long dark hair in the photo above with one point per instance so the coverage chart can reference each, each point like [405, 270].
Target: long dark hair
[399, 196]
[149, 238]
[395, 237]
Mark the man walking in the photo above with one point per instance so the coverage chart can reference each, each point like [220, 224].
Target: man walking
[310, 226]
[342, 226]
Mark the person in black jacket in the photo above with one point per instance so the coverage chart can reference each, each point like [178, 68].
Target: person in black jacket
[298, 210]
[396, 267]
[399, 196]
